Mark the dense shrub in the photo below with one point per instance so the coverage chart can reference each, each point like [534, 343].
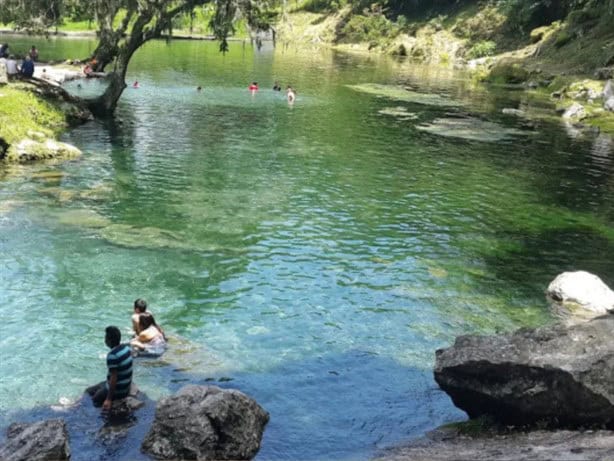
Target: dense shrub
[373, 28]
[481, 49]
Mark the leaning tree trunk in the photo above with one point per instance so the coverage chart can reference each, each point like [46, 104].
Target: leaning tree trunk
[105, 104]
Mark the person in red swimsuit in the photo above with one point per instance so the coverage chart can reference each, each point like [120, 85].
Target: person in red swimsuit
[253, 86]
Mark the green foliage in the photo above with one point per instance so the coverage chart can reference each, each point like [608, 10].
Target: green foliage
[482, 49]
[563, 38]
[482, 25]
[372, 27]
[33, 15]
[526, 15]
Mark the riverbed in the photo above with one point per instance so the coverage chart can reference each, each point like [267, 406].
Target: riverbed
[313, 255]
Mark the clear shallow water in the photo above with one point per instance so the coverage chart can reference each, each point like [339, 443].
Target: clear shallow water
[314, 256]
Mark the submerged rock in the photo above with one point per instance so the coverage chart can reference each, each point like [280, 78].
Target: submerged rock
[581, 290]
[139, 237]
[561, 376]
[399, 112]
[206, 422]
[83, 218]
[40, 441]
[400, 93]
[469, 128]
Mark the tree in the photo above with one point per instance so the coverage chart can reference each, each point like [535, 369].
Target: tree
[125, 25]
[143, 20]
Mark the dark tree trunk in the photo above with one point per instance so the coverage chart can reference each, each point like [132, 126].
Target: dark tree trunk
[104, 105]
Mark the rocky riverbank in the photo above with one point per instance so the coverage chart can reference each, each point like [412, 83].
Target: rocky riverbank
[535, 394]
[198, 422]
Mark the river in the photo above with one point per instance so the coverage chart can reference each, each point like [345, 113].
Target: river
[312, 255]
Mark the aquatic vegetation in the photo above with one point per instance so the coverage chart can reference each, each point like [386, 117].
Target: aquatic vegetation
[399, 93]
[138, 237]
[399, 112]
[470, 128]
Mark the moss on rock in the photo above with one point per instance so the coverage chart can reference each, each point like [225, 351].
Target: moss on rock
[508, 71]
[28, 150]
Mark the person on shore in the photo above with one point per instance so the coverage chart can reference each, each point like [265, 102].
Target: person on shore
[119, 375]
[11, 65]
[253, 87]
[4, 50]
[34, 53]
[276, 86]
[27, 68]
[150, 340]
[290, 94]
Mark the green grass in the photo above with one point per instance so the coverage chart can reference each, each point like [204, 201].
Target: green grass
[21, 112]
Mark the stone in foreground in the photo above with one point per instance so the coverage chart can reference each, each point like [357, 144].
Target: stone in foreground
[206, 423]
[532, 446]
[40, 441]
[562, 376]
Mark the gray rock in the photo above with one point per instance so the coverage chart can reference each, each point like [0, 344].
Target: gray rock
[608, 90]
[510, 111]
[609, 104]
[583, 289]
[40, 441]
[520, 446]
[575, 111]
[562, 376]
[206, 423]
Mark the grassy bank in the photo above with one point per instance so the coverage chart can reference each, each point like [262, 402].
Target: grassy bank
[29, 125]
[22, 112]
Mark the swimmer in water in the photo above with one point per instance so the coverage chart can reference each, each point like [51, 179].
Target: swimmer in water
[291, 95]
[135, 84]
[253, 87]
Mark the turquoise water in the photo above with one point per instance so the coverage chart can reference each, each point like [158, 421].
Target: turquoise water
[313, 256]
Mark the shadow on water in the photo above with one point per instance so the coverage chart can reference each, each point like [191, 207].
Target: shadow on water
[343, 406]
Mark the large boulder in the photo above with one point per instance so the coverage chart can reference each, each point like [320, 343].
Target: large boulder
[206, 423]
[563, 376]
[581, 289]
[40, 441]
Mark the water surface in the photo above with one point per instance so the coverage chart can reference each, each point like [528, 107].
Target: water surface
[313, 256]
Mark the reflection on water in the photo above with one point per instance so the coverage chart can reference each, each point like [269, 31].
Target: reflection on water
[313, 256]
